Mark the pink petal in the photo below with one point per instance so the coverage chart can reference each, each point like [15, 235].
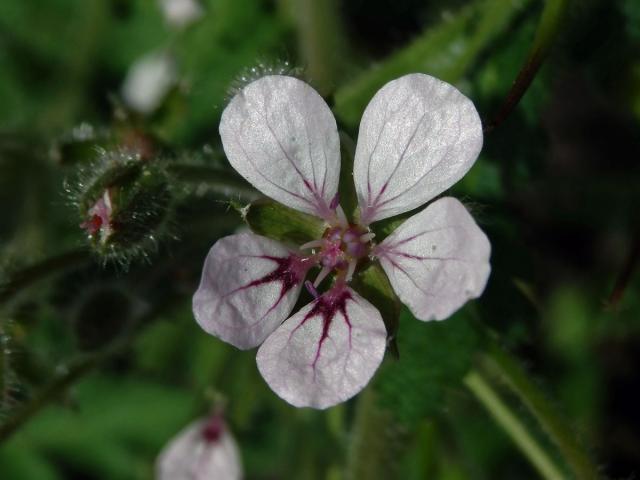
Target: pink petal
[418, 136]
[191, 455]
[249, 286]
[280, 135]
[325, 353]
[437, 260]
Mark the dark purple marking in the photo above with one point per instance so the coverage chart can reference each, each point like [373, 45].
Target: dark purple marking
[326, 306]
[290, 271]
[213, 429]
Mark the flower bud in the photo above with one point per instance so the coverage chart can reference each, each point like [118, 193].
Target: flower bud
[124, 203]
[204, 450]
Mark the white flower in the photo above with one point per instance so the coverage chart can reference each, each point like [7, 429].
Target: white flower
[418, 136]
[205, 450]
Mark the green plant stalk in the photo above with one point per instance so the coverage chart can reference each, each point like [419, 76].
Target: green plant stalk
[30, 275]
[508, 369]
[551, 20]
[322, 42]
[377, 441]
[512, 426]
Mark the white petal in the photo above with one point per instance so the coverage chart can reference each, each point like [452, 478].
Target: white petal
[325, 353]
[189, 456]
[437, 260]
[418, 136]
[249, 286]
[280, 135]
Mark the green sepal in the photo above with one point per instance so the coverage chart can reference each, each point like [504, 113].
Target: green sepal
[275, 221]
[347, 188]
[372, 283]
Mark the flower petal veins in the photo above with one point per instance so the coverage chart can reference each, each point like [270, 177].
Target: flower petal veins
[437, 260]
[280, 135]
[418, 136]
[325, 353]
[249, 286]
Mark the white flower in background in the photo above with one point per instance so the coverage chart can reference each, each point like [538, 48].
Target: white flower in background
[205, 450]
[181, 13]
[418, 136]
[148, 81]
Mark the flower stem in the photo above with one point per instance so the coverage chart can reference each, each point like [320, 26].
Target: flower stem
[551, 20]
[508, 369]
[26, 277]
[377, 441]
[322, 41]
[513, 426]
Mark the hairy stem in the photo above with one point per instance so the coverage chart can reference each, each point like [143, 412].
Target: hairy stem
[550, 22]
[377, 441]
[508, 369]
[512, 426]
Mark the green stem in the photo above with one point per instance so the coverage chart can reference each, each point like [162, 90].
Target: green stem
[550, 21]
[26, 277]
[322, 42]
[513, 426]
[552, 423]
[377, 441]
[224, 180]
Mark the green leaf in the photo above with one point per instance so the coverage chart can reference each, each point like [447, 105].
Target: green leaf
[274, 220]
[445, 51]
[433, 356]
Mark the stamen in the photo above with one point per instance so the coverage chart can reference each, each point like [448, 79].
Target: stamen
[367, 237]
[351, 270]
[342, 218]
[311, 289]
[322, 275]
[311, 244]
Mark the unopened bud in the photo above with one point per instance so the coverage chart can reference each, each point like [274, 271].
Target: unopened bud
[124, 203]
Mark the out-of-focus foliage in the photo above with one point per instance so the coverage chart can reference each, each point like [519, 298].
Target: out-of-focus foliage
[555, 188]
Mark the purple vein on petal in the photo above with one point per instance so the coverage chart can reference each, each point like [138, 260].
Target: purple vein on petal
[290, 271]
[327, 306]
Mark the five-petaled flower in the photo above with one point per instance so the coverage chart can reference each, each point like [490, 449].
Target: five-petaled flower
[418, 136]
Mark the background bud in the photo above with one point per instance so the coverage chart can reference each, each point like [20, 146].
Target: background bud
[204, 450]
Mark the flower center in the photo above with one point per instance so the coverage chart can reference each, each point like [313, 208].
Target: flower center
[343, 245]
[339, 250]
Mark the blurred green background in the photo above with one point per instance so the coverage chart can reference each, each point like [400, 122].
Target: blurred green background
[104, 362]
